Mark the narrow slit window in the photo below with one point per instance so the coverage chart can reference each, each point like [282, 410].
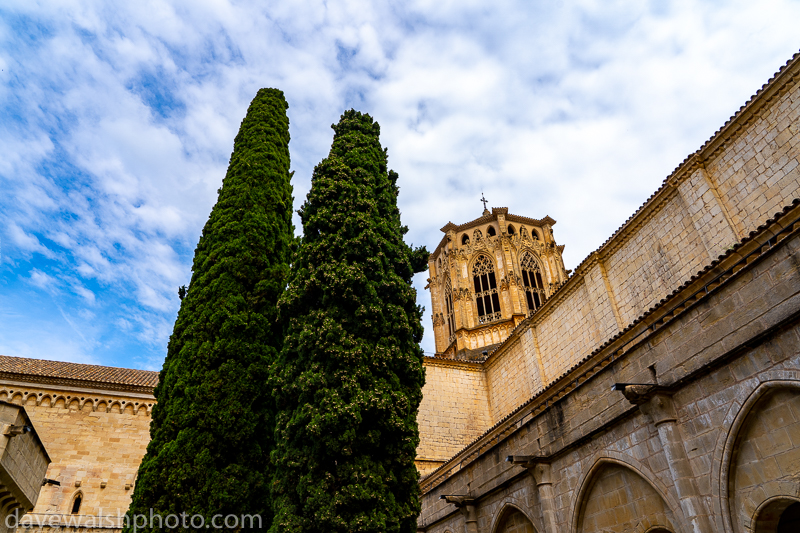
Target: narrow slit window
[76, 504]
[451, 317]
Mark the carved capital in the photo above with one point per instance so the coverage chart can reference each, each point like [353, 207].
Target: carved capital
[637, 394]
[538, 467]
[462, 294]
[660, 408]
[457, 500]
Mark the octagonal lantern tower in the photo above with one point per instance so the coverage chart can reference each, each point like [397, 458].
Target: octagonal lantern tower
[486, 276]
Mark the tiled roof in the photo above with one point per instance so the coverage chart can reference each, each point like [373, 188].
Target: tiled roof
[39, 368]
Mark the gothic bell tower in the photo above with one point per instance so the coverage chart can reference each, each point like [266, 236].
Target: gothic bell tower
[486, 276]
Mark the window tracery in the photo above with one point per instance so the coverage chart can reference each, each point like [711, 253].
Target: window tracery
[532, 282]
[486, 296]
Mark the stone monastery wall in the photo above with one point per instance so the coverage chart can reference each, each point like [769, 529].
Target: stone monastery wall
[96, 439]
[742, 176]
[458, 410]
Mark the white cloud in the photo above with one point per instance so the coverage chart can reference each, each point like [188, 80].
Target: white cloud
[123, 118]
[43, 281]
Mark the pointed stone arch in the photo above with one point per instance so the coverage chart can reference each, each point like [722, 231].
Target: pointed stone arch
[512, 519]
[762, 416]
[635, 492]
[534, 278]
[483, 276]
[769, 513]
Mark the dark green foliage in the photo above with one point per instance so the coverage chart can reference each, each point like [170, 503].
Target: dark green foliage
[349, 379]
[212, 426]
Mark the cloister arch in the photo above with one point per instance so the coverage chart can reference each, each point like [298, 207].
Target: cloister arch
[760, 437]
[618, 493]
[778, 515]
[512, 519]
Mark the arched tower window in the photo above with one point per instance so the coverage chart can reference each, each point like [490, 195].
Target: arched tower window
[511, 230]
[486, 290]
[490, 231]
[76, 504]
[532, 281]
[448, 304]
[465, 239]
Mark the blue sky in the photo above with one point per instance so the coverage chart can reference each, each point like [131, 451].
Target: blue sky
[118, 120]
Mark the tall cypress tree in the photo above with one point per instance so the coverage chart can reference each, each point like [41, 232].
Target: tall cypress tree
[212, 426]
[349, 379]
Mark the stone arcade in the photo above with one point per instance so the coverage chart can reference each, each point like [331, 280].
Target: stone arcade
[655, 389]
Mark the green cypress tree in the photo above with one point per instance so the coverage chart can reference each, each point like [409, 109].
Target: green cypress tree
[348, 381]
[212, 426]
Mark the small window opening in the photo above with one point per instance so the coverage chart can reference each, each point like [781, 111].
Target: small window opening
[534, 235]
[465, 240]
[486, 297]
[532, 281]
[490, 231]
[451, 317]
[511, 230]
[76, 504]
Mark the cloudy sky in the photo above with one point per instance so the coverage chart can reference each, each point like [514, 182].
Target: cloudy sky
[118, 120]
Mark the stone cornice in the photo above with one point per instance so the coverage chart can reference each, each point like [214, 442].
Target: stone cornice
[778, 84]
[60, 387]
[453, 363]
[510, 342]
[68, 382]
[789, 74]
[719, 273]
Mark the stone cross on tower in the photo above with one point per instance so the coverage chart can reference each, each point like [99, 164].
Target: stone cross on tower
[484, 200]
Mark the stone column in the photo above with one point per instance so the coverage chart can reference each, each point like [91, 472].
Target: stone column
[541, 473]
[661, 410]
[467, 507]
[543, 481]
